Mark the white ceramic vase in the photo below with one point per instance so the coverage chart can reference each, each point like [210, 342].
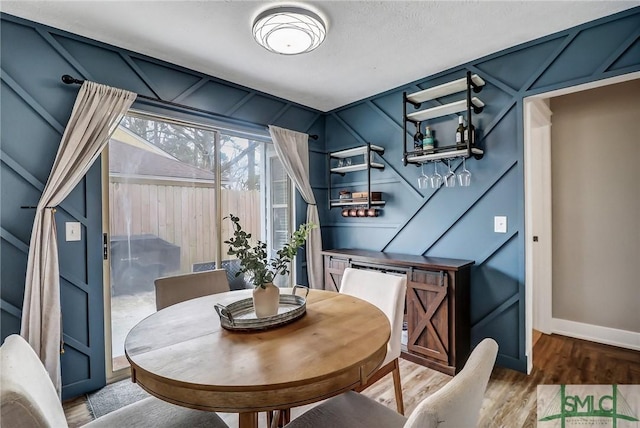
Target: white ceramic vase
[266, 300]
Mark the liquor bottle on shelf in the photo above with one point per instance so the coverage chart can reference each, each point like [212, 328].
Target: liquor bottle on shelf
[470, 133]
[417, 138]
[427, 141]
[460, 130]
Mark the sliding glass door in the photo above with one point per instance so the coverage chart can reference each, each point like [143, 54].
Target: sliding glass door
[170, 185]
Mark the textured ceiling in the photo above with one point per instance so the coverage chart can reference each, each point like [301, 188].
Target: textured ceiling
[371, 46]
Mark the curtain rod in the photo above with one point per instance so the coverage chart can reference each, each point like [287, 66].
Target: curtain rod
[70, 80]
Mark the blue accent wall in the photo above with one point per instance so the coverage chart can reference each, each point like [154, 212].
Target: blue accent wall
[35, 108]
[458, 222]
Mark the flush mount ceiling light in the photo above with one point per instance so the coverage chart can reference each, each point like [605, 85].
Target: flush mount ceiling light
[289, 30]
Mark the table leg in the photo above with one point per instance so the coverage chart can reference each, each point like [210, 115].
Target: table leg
[248, 420]
[283, 417]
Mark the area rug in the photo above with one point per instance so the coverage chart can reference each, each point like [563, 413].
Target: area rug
[114, 396]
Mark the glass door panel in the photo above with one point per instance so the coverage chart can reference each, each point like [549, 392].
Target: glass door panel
[161, 215]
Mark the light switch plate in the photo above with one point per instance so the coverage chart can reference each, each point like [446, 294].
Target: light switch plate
[500, 224]
[72, 229]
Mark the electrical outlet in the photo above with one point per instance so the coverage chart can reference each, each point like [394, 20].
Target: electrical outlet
[500, 224]
[72, 229]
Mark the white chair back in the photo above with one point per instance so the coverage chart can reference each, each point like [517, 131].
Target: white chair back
[457, 404]
[387, 292]
[28, 399]
[178, 288]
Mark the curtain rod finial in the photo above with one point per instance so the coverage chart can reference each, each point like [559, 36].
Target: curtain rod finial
[70, 79]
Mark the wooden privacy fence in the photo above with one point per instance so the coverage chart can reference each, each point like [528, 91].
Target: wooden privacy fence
[180, 214]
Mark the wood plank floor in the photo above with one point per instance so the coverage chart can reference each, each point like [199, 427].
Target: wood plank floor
[510, 399]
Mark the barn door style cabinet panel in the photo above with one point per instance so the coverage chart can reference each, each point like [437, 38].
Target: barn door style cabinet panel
[437, 307]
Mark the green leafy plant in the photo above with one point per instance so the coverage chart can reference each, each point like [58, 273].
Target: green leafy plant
[253, 259]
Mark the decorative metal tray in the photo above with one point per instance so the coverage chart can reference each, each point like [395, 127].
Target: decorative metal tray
[240, 315]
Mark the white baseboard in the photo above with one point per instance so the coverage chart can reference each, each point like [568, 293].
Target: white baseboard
[596, 333]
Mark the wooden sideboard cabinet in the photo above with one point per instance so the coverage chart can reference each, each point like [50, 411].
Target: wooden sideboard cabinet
[437, 307]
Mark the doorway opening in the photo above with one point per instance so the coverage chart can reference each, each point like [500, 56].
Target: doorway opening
[538, 216]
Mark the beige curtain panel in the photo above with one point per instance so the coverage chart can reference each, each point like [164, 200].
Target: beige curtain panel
[293, 150]
[96, 113]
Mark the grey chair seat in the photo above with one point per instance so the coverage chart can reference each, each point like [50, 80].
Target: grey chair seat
[153, 412]
[349, 410]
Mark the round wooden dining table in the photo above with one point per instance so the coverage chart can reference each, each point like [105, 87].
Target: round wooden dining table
[182, 355]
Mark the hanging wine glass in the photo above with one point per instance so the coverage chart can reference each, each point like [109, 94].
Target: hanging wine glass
[436, 178]
[423, 180]
[429, 177]
[464, 176]
[450, 177]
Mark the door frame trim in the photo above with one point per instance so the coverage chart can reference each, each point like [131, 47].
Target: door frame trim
[537, 171]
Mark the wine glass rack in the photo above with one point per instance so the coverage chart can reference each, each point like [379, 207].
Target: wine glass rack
[470, 83]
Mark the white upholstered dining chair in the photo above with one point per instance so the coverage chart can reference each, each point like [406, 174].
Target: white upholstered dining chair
[178, 288]
[456, 405]
[388, 293]
[28, 399]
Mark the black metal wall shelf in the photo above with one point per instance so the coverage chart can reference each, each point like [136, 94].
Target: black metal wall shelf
[444, 154]
[367, 162]
[472, 82]
[444, 110]
[335, 203]
[445, 89]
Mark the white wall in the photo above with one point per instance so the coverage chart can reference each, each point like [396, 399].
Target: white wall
[596, 206]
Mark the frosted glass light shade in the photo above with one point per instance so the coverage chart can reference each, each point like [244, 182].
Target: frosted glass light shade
[289, 30]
